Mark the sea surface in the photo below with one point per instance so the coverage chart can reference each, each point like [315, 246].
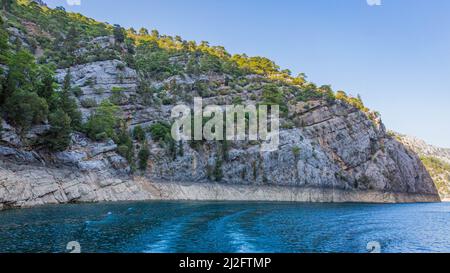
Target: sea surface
[171, 227]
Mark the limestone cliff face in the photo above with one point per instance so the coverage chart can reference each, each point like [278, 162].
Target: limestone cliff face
[435, 159]
[330, 152]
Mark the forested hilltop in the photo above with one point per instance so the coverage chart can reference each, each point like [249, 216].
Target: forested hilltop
[42, 40]
[93, 97]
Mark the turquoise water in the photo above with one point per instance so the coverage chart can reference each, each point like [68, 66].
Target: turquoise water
[227, 227]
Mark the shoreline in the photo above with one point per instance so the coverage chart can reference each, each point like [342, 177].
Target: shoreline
[25, 186]
[224, 192]
[184, 191]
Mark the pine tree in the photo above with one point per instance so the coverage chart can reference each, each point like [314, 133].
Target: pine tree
[119, 34]
[103, 122]
[68, 104]
[21, 75]
[24, 109]
[59, 135]
[45, 87]
[139, 133]
[71, 45]
[143, 156]
[22, 71]
[143, 31]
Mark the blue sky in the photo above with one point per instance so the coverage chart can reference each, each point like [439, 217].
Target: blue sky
[395, 55]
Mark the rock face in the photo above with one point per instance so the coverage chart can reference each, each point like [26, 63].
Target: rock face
[28, 179]
[345, 152]
[26, 186]
[436, 160]
[98, 80]
[336, 155]
[75, 177]
[332, 148]
[331, 153]
[424, 149]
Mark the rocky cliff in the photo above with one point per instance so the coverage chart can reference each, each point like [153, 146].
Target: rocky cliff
[334, 153]
[332, 149]
[435, 159]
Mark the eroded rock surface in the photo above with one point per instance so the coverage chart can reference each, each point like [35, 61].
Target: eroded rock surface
[334, 153]
[436, 160]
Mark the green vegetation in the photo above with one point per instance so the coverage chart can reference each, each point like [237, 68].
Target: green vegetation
[356, 102]
[22, 74]
[68, 104]
[153, 62]
[23, 109]
[143, 155]
[439, 171]
[296, 152]
[125, 144]
[30, 96]
[118, 97]
[57, 32]
[210, 63]
[103, 122]
[161, 132]
[89, 103]
[273, 96]
[77, 91]
[155, 56]
[139, 133]
[6, 4]
[119, 34]
[4, 49]
[58, 138]
[436, 164]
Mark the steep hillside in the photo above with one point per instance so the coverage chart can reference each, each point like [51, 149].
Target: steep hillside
[86, 117]
[436, 160]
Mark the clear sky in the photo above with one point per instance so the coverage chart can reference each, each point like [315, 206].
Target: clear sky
[395, 55]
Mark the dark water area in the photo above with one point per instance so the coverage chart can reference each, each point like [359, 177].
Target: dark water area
[171, 227]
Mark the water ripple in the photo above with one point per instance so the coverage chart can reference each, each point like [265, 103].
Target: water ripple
[227, 227]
